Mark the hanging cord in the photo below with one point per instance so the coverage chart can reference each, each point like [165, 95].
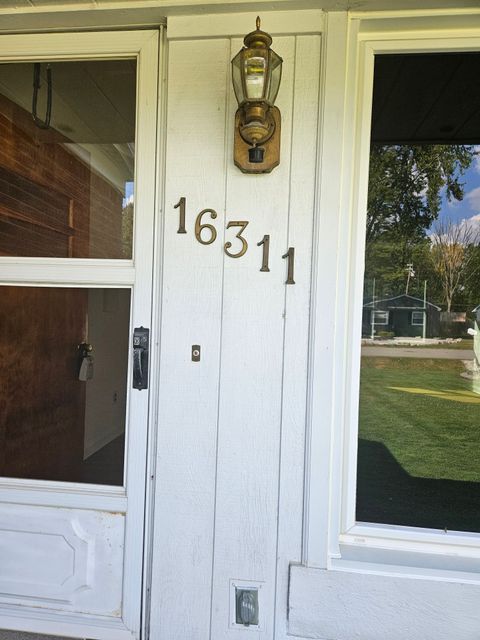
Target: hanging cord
[42, 124]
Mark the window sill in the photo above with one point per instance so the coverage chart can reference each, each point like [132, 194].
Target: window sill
[408, 551]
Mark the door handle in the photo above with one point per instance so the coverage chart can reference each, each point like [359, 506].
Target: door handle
[141, 341]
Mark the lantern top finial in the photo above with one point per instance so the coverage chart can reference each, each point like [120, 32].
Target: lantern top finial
[257, 38]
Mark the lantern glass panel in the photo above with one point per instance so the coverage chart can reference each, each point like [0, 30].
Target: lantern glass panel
[237, 64]
[275, 77]
[255, 61]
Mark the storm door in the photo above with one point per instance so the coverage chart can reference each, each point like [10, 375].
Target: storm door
[77, 184]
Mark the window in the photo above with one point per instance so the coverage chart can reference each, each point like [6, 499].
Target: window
[419, 409]
[379, 317]
[417, 318]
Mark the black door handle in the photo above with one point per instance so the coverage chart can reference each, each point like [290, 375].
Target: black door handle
[140, 357]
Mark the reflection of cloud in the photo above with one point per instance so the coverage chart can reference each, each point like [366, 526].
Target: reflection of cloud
[473, 199]
[127, 201]
[476, 160]
[473, 222]
[464, 231]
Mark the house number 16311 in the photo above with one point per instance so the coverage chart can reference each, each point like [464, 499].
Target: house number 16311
[205, 233]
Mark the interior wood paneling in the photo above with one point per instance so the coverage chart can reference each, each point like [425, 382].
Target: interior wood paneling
[42, 401]
[82, 210]
[34, 220]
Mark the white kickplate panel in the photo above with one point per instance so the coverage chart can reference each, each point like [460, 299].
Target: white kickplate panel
[61, 559]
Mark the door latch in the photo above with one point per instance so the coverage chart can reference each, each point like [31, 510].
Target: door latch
[141, 345]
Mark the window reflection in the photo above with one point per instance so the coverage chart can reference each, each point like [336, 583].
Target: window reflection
[66, 189]
[419, 427]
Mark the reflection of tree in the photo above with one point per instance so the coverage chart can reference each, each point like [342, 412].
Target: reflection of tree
[453, 255]
[406, 183]
[406, 186]
[386, 261]
[127, 230]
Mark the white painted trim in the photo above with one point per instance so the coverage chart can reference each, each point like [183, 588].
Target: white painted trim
[66, 272]
[413, 539]
[63, 494]
[168, 6]
[382, 16]
[72, 625]
[318, 461]
[344, 544]
[156, 328]
[224, 25]
[84, 46]
[138, 402]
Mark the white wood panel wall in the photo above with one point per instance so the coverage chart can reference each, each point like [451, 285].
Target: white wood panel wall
[229, 485]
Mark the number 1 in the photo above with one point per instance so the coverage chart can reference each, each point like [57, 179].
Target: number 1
[266, 250]
[291, 259]
[182, 203]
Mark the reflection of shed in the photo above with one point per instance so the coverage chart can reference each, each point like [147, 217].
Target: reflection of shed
[404, 316]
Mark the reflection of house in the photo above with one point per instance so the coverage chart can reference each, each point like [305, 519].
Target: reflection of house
[401, 315]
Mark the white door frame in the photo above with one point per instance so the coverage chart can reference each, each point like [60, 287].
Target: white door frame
[135, 274]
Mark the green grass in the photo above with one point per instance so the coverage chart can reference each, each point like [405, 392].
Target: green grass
[419, 444]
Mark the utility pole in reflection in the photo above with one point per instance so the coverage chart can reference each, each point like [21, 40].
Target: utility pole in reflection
[372, 319]
[424, 328]
[410, 274]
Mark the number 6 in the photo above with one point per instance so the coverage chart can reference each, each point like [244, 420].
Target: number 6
[199, 227]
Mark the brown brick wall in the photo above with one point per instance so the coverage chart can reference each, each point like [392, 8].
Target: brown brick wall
[63, 193]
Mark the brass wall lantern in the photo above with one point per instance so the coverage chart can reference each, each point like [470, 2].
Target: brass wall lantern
[256, 73]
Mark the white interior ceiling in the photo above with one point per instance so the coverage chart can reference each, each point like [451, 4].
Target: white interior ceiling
[429, 98]
[93, 110]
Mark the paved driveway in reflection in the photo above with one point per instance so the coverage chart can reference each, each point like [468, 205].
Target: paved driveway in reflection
[417, 352]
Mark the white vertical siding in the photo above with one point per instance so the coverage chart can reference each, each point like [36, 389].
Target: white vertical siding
[192, 302]
[229, 485]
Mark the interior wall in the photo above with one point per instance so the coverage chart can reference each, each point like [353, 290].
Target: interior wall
[108, 333]
[229, 479]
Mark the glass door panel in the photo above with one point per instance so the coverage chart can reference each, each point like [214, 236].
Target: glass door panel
[67, 158]
[63, 383]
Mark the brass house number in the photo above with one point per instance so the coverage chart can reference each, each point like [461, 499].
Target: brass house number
[205, 233]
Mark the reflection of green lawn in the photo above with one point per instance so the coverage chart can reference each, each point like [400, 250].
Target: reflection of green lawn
[419, 444]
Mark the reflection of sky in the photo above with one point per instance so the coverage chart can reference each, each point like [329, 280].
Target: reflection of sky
[128, 193]
[469, 207]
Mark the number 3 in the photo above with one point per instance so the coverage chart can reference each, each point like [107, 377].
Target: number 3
[243, 250]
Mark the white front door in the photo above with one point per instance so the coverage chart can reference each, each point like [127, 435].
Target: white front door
[77, 185]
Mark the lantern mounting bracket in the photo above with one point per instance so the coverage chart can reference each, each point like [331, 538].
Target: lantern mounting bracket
[242, 149]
